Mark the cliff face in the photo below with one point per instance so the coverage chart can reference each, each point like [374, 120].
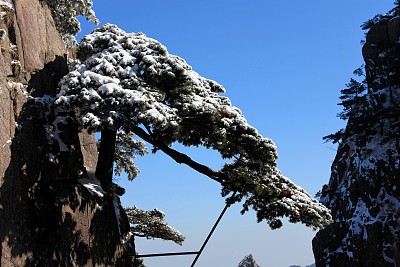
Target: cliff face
[364, 189]
[47, 217]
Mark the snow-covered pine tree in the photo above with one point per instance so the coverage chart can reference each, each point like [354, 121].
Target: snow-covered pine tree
[130, 83]
[65, 13]
[151, 224]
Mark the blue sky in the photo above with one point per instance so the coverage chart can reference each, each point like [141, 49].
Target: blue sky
[283, 64]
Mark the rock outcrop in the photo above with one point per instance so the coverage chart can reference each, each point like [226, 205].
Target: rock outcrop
[248, 261]
[364, 189]
[47, 217]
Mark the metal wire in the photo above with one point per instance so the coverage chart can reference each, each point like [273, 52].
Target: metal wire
[211, 232]
[167, 254]
[197, 253]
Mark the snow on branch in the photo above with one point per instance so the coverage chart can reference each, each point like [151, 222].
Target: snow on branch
[151, 224]
[7, 4]
[129, 82]
[127, 147]
[65, 14]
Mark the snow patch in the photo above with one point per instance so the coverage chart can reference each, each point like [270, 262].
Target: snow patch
[117, 209]
[7, 3]
[3, 33]
[16, 62]
[8, 142]
[57, 131]
[52, 158]
[387, 258]
[92, 184]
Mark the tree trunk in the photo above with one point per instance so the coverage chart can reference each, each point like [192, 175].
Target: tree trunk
[104, 168]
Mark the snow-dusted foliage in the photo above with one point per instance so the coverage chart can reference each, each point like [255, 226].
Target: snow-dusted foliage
[8, 4]
[126, 149]
[65, 13]
[130, 82]
[151, 224]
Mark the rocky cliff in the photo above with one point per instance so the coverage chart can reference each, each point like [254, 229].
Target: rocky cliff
[47, 216]
[364, 189]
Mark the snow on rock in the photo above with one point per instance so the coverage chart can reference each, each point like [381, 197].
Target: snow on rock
[7, 3]
[118, 210]
[92, 184]
[57, 131]
[7, 143]
[248, 261]
[3, 33]
[362, 193]
[363, 190]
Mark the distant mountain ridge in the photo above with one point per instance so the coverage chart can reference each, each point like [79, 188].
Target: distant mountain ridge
[249, 261]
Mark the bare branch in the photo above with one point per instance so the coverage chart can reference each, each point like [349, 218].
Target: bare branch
[179, 157]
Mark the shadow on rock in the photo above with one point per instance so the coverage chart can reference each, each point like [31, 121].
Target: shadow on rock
[47, 217]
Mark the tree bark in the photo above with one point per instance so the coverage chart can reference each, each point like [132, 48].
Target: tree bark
[104, 168]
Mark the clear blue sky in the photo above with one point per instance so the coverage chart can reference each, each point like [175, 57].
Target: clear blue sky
[283, 64]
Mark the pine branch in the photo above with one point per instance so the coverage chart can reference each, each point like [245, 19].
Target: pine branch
[178, 156]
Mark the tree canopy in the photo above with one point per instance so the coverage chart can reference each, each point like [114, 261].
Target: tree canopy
[129, 83]
[352, 95]
[151, 224]
[65, 13]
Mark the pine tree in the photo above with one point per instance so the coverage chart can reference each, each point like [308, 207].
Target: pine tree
[352, 95]
[129, 83]
[335, 137]
[151, 224]
[65, 13]
[379, 18]
[351, 100]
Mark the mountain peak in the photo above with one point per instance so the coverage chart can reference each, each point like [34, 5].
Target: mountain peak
[248, 261]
